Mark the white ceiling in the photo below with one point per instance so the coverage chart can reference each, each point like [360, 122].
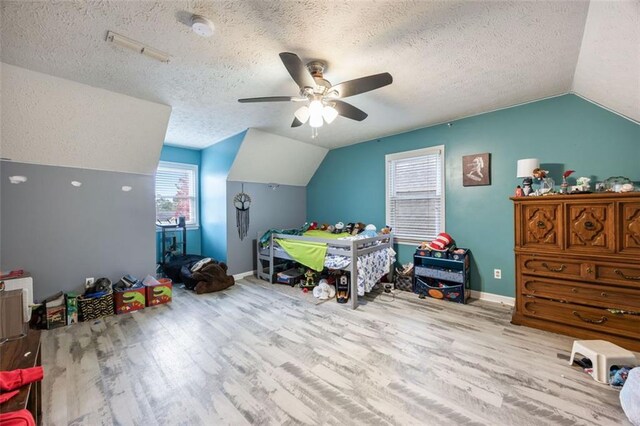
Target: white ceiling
[608, 69]
[448, 59]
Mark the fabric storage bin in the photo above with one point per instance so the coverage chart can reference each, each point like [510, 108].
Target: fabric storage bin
[440, 274]
[91, 308]
[129, 300]
[159, 293]
[403, 282]
[438, 290]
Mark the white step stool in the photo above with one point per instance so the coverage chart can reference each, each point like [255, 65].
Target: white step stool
[603, 355]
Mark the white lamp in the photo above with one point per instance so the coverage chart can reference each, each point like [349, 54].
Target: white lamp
[525, 171]
[526, 166]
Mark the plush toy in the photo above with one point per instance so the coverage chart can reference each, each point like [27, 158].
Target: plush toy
[359, 228]
[324, 227]
[323, 290]
[386, 230]
[212, 277]
[331, 229]
[339, 228]
[313, 226]
[348, 228]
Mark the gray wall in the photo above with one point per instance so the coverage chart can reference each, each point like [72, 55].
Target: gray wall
[63, 234]
[284, 207]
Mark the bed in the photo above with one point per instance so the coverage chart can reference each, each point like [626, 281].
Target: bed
[374, 256]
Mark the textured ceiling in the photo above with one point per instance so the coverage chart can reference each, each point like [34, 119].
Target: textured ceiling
[448, 59]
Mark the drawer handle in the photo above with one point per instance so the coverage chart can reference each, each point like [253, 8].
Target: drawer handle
[626, 277]
[560, 269]
[589, 226]
[603, 294]
[602, 320]
[541, 224]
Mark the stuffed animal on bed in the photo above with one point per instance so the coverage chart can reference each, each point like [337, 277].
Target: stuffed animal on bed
[339, 228]
[348, 228]
[212, 277]
[324, 227]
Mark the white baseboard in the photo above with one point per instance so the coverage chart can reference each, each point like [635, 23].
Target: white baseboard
[243, 274]
[491, 297]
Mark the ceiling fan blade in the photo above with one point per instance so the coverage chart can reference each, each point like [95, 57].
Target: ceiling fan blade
[267, 99]
[361, 85]
[349, 111]
[296, 122]
[297, 70]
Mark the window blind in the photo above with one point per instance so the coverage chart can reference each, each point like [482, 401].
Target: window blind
[176, 192]
[415, 194]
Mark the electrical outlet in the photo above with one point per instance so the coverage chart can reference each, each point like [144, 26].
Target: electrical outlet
[497, 274]
[89, 281]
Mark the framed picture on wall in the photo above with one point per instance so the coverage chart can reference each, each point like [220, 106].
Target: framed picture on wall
[476, 169]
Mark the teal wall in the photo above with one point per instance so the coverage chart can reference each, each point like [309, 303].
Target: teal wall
[186, 156]
[566, 132]
[216, 162]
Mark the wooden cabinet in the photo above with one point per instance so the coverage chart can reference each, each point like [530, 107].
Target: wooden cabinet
[578, 265]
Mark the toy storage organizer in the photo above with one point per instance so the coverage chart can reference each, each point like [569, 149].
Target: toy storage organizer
[443, 277]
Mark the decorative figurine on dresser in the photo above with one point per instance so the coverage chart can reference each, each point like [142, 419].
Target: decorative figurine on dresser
[578, 265]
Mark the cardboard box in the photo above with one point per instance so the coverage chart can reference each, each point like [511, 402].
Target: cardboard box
[55, 311]
[159, 292]
[72, 308]
[129, 300]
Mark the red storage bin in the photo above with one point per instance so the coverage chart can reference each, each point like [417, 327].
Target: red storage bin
[160, 293]
[129, 300]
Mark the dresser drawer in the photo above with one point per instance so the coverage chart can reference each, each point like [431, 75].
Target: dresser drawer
[618, 274]
[551, 267]
[582, 293]
[581, 316]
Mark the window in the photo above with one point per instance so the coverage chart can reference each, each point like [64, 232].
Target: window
[415, 194]
[177, 192]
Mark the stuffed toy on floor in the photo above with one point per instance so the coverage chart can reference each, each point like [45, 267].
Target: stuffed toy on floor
[212, 277]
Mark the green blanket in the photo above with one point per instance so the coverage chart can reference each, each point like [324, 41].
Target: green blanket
[308, 253]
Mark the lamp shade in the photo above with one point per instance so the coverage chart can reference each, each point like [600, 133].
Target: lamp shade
[526, 166]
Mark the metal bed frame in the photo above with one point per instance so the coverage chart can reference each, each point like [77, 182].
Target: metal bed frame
[354, 248]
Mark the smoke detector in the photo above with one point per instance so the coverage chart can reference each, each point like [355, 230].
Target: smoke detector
[202, 26]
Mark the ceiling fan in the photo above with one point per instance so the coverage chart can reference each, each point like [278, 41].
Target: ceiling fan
[323, 99]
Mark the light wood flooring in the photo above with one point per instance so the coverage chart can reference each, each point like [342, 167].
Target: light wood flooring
[256, 355]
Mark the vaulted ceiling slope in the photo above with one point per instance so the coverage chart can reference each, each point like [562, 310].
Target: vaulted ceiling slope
[448, 59]
[58, 122]
[608, 69]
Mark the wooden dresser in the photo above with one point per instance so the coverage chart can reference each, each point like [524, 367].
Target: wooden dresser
[578, 265]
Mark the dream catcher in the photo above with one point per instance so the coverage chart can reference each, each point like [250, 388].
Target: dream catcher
[242, 202]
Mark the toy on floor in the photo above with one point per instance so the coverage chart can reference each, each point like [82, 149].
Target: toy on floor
[309, 278]
[323, 290]
[342, 289]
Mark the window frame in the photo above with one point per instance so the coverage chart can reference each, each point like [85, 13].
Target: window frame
[194, 170]
[438, 149]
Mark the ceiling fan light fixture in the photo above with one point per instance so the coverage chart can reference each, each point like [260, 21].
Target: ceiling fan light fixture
[302, 114]
[316, 121]
[329, 114]
[315, 113]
